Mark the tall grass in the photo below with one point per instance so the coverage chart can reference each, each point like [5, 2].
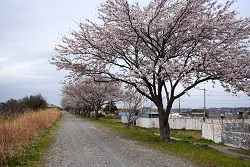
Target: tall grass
[17, 131]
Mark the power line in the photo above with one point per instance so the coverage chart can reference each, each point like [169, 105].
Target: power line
[223, 95]
[226, 93]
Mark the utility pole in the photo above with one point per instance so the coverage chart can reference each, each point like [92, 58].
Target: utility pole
[204, 102]
[179, 105]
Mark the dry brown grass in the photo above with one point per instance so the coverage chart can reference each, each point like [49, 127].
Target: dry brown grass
[194, 133]
[17, 131]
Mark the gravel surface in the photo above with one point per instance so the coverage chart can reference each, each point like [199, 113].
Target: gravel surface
[81, 143]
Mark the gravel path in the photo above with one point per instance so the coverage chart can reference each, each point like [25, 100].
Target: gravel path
[80, 143]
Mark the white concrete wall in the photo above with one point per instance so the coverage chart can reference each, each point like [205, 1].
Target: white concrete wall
[147, 122]
[186, 123]
[154, 123]
[212, 128]
[212, 131]
[174, 123]
[124, 119]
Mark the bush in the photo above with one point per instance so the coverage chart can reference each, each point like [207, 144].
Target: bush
[33, 102]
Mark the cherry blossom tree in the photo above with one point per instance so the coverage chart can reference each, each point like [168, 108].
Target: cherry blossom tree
[73, 99]
[135, 104]
[67, 102]
[87, 95]
[165, 45]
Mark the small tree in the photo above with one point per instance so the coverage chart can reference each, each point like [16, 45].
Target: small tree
[12, 106]
[110, 108]
[134, 104]
[34, 102]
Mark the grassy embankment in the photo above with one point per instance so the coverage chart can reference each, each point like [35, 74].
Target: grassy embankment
[23, 138]
[199, 154]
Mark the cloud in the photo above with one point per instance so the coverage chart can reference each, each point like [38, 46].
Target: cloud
[28, 32]
[3, 59]
[15, 69]
[27, 70]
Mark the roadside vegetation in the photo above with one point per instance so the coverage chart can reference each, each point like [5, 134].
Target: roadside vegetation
[187, 148]
[17, 106]
[23, 136]
[241, 151]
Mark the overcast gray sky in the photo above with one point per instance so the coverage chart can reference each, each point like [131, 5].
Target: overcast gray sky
[29, 29]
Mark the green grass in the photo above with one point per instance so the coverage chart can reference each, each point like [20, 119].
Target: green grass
[193, 136]
[201, 155]
[32, 155]
[241, 151]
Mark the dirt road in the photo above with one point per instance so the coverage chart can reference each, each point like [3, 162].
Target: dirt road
[80, 143]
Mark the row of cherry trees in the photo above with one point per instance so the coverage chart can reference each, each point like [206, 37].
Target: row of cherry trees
[86, 95]
[163, 49]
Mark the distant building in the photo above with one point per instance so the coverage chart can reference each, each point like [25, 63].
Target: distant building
[233, 113]
[150, 115]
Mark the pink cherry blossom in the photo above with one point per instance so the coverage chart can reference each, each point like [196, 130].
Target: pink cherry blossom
[162, 46]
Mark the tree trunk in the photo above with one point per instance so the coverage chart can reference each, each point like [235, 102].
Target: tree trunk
[164, 126]
[88, 113]
[129, 119]
[98, 107]
[128, 124]
[96, 114]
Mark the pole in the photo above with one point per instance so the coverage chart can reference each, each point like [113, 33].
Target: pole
[109, 106]
[179, 105]
[204, 103]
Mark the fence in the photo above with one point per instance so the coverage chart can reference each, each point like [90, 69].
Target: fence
[174, 123]
[234, 132]
[186, 123]
[211, 129]
[148, 122]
